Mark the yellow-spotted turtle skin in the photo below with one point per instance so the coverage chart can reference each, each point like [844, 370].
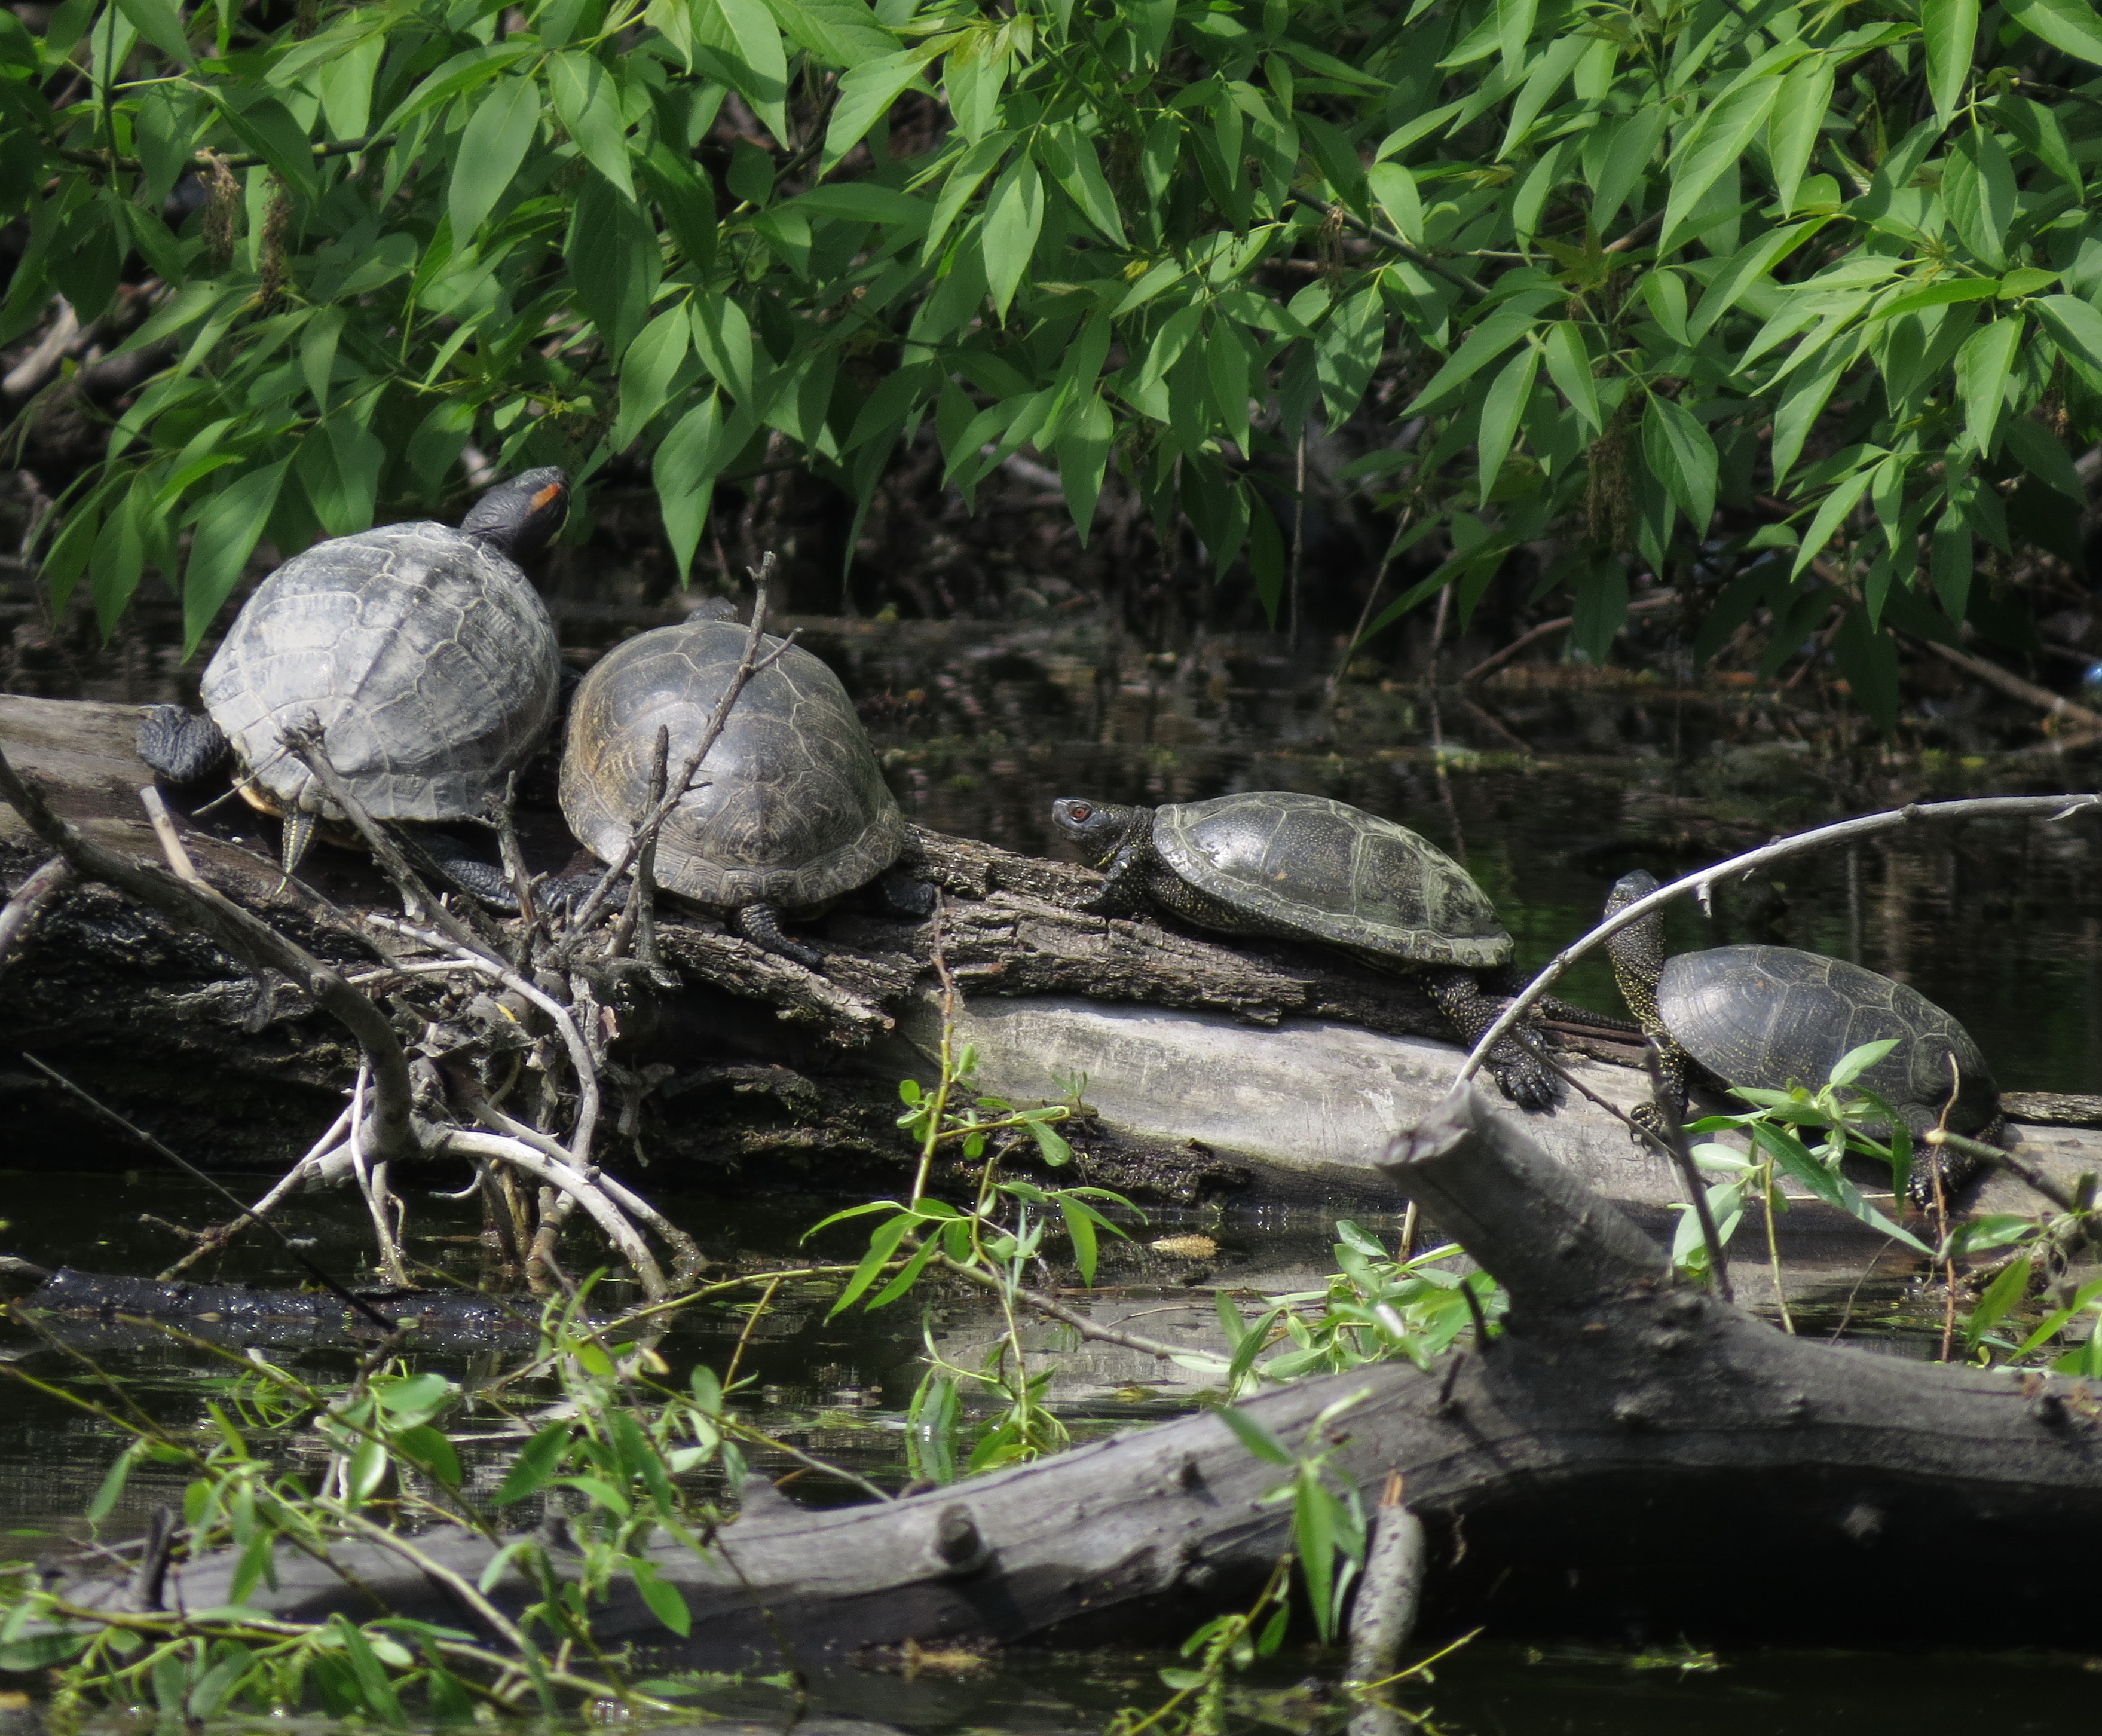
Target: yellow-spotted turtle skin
[791, 810]
[1308, 868]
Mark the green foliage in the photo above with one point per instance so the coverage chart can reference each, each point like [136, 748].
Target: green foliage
[1831, 264]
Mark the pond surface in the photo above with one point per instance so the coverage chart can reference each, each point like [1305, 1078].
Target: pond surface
[1548, 788]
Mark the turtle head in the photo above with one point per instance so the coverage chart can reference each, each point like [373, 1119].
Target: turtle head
[522, 515]
[1638, 950]
[1098, 830]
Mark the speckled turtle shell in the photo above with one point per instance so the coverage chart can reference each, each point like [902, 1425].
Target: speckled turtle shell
[425, 656]
[794, 811]
[1772, 1016]
[1334, 873]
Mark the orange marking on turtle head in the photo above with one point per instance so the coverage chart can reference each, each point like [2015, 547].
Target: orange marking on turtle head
[549, 496]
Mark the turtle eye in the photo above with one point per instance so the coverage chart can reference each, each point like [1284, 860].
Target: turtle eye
[1080, 810]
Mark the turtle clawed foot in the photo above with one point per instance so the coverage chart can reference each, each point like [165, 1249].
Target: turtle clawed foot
[760, 924]
[1646, 1127]
[1523, 1077]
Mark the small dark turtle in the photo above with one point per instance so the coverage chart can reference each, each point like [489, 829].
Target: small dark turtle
[1304, 868]
[789, 810]
[1773, 1018]
[423, 653]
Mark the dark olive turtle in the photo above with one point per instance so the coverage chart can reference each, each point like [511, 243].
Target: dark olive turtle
[1304, 868]
[789, 810]
[424, 654]
[1773, 1018]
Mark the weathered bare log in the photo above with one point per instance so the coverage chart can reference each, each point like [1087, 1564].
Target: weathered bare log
[1565, 1470]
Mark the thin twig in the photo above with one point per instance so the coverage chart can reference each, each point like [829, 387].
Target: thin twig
[461, 1142]
[2005, 807]
[32, 898]
[1672, 1139]
[646, 828]
[299, 1174]
[1495, 660]
[1053, 1309]
[172, 846]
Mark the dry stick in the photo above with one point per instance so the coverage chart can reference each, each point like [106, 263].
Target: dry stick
[2052, 807]
[1298, 538]
[514, 867]
[1053, 1309]
[334, 1289]
[2014, 686]
[172, 846]
[750, 664]
[1365, 615]
[372, 1184]
[32, 898]
[687, 1258]
[1495, 660]
[634, 924]
[305, 1170]
[550, 1172]
[305, 745]
[579, 1152]
[247, 937]
[1388, 1597]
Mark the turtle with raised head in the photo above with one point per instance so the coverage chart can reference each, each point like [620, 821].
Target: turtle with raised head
[788, 812]
[1306, 868]
[1774, 1017]
[421, 653]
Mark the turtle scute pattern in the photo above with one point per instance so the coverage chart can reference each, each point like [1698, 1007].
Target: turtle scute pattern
[793, 810]
[1320, 867]
[427, 659]
[1768, 1016]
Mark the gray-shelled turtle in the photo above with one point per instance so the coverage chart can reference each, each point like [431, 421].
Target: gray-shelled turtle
[790, 808]
[424, 654]
[1772, 1017]
[1306, 868]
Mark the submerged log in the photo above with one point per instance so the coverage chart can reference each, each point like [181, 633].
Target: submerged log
[1629, 1459]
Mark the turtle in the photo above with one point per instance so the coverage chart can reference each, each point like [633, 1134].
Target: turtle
[788, 811]
[422, 653]
[1300, 867]
[1771, 1017]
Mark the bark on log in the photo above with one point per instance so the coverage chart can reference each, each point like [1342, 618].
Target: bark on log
[1630, 1458]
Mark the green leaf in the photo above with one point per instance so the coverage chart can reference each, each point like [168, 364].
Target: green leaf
[266, 127]
[882, 1244]
[665, 1601]
[1394, 188]
[865, 95]
[1983, 367]
[1978, 193]
[161, 24]
[2070, 25]
[1254, 1436]
[1681, 455]
[1945, 293]
[648, 371]
[1502, 407]
[492, 146]
[228, 526]
[1014, 215]
[1081, 1226]
[1793, 128]
[687, 461]
[614, 263]
[1857, 1061]
[1834, 508]
[1950, 30]
[742, 33]
[2043, 455]
[2001, 1295]
[112, 1486]
[589, 104]
[1569, 367]
[535, 1466]
[1083, 449]
[844, 33]
[1744, 269]
[1509, 322]
[380, 1700]
[429, 1449]
[1715, 142]
[422, 1391]
[2077, 325]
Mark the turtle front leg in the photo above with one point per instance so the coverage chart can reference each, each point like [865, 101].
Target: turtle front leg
[1520, 1074]
[1123, 889]
[183, 747]
[760, 924]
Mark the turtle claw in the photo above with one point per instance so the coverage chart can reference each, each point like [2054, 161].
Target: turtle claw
[1523, 1078]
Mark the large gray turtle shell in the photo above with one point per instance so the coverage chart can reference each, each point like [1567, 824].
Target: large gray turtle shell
[1331, 872]
[794, 810]
[1773, 1016]
[427, 657]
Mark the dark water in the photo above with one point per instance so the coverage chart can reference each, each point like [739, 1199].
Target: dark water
[2001, 923]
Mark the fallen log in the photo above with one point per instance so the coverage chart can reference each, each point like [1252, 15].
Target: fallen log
[1210, 1069]
[1629, 1459]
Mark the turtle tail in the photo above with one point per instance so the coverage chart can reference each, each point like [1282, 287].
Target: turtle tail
[298, 836]
[760, 924]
